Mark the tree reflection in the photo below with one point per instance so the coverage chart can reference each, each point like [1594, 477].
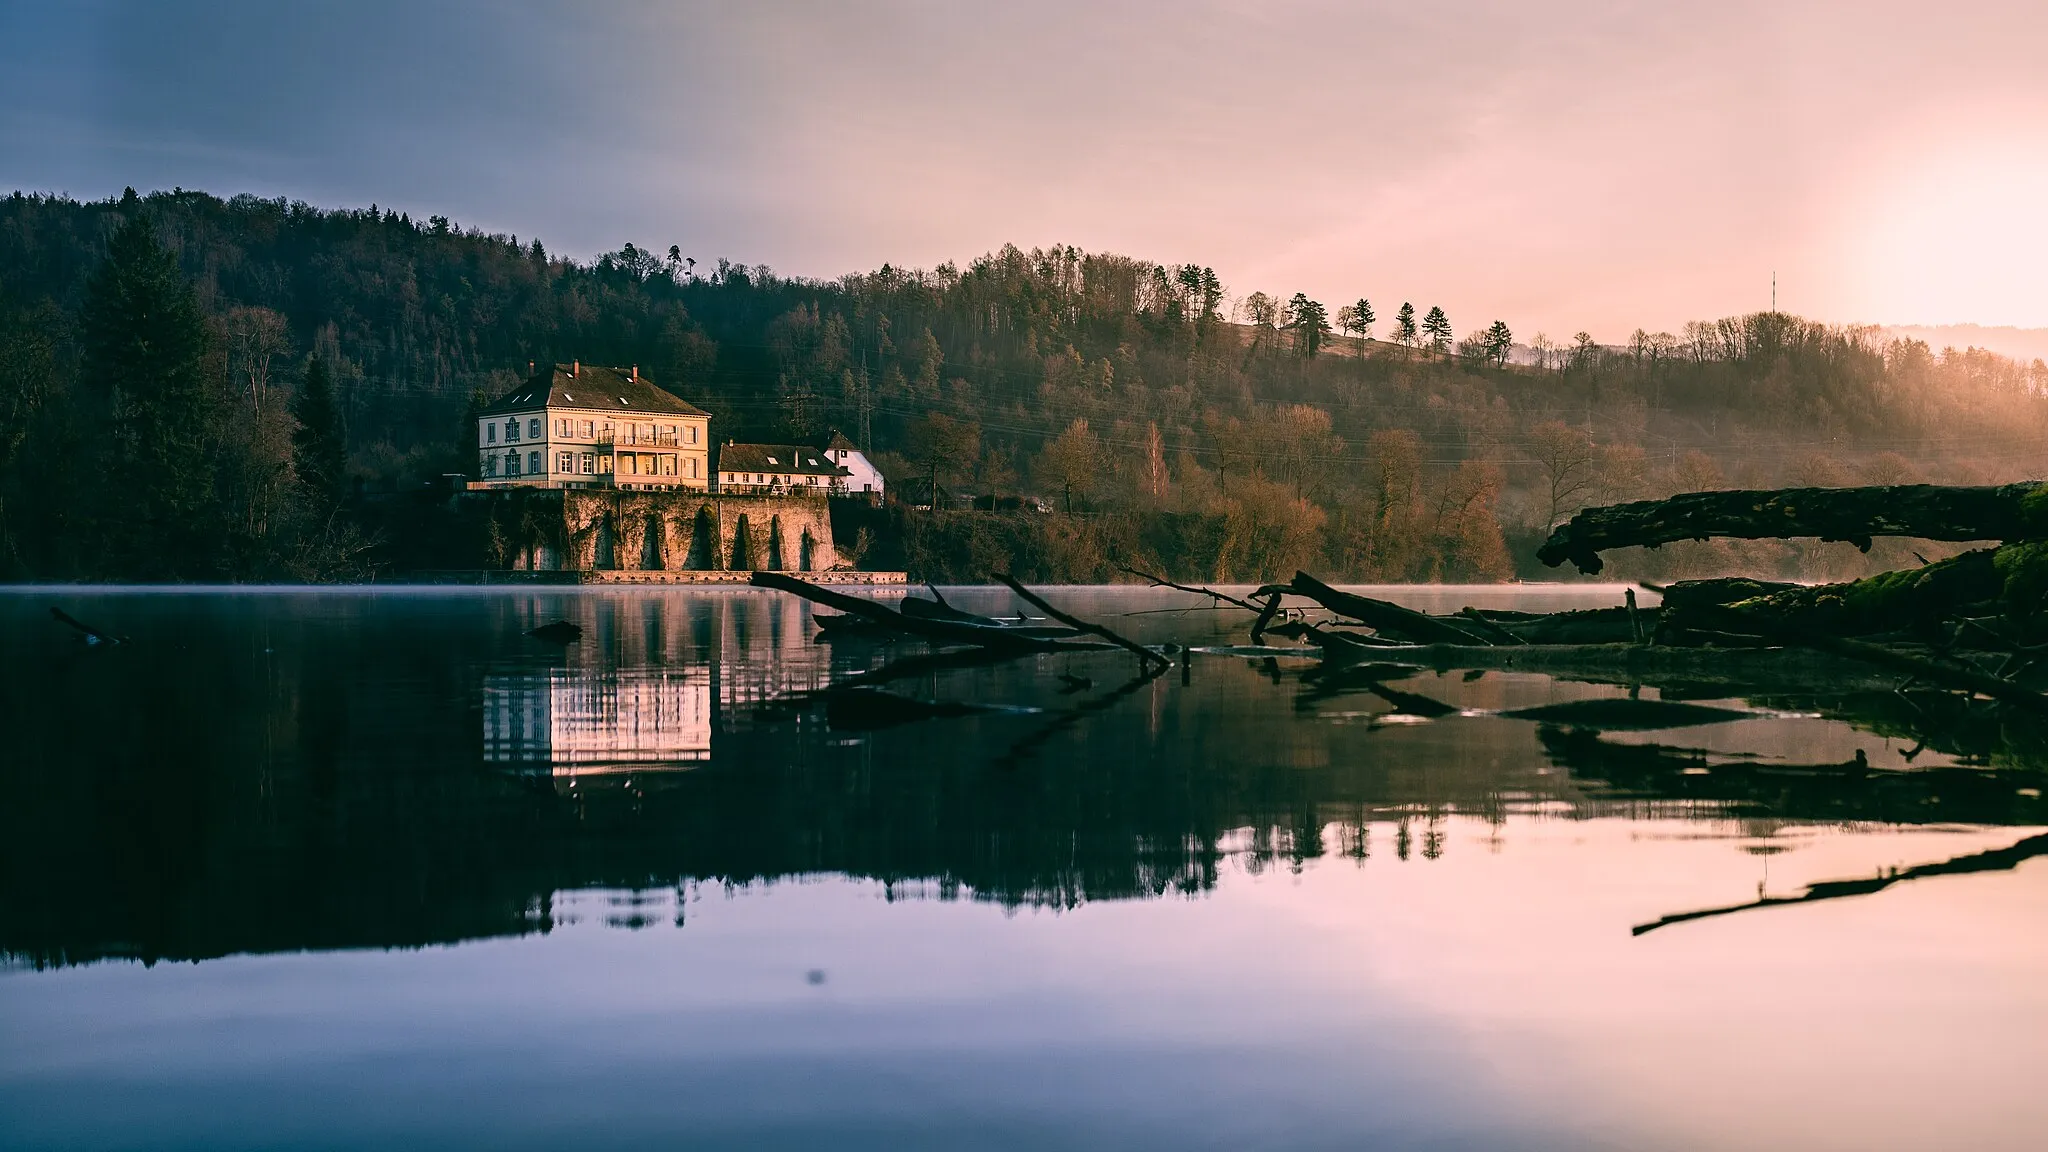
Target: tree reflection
[339, 772]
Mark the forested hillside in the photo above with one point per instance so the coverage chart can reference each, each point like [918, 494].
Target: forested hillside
[259, 372]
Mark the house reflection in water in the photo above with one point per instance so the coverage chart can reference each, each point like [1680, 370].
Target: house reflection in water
[573, 722]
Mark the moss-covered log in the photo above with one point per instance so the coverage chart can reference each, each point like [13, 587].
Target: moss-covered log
[1925, 511]
[1911, 600]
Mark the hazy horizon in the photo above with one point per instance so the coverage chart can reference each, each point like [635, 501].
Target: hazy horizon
[1575, 166]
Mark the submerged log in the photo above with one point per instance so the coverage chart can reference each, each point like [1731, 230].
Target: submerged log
[1926, 511]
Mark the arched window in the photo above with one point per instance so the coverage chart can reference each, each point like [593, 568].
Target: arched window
[511, 463]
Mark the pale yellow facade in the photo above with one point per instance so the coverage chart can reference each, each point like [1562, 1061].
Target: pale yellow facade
[564, 445]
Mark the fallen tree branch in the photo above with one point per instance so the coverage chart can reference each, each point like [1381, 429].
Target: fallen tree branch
[943, 631]
[1855, 515]
[1146, 656]
[1384, 616]
[1162, 582]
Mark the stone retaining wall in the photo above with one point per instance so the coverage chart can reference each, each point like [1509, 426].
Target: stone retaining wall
[547, 530]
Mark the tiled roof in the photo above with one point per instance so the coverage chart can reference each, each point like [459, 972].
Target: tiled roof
[590, 386]
[795, 459]
[839, 443]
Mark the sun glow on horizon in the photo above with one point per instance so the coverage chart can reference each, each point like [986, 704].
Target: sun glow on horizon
[1956, 233]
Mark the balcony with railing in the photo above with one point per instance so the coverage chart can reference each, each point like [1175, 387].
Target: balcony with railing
[628, 438]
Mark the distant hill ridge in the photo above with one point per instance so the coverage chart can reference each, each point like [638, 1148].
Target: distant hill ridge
[2023, 344]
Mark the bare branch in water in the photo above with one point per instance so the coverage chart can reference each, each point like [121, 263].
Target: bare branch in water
[1146, 656]
[1162, 582]
[1995, 860]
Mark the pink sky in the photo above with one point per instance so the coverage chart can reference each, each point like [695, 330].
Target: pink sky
[1560, 166]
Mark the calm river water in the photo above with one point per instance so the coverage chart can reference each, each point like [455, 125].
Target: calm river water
[348, 868]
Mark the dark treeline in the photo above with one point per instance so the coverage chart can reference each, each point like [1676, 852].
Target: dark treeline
[311, 358]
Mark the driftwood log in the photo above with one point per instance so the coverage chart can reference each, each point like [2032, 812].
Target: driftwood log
[1387, 618]
[1926, 511]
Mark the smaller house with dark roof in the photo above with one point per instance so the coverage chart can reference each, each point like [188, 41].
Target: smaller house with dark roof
[862, 477]
[778, 470]
[575, 427]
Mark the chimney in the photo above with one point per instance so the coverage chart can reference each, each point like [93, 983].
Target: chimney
[575, 369]
[636, 372]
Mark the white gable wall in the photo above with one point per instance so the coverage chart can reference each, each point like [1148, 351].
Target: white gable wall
[864, 476]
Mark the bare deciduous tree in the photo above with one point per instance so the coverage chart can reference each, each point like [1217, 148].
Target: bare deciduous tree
[1071, 463]
[256, 339]
[1570, 464]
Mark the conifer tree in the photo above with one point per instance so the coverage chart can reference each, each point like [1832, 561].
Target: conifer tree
[319, 455]
[1362, 318]
[1310, 324]
[1499, 342]
[1438, 327]
[144, 342]
[1404, 323]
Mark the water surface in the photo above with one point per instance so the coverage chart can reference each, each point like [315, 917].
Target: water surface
[347, 868]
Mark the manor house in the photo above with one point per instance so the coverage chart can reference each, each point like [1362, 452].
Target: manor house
[575, 427]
